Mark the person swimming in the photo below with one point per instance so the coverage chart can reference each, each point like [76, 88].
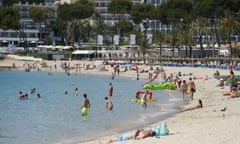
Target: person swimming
[76, 91]
[38, 95]
[32, 90]
[109, 104]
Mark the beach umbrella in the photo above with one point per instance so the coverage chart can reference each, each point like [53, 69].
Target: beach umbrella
[25, 63]
[134, 65]
[157, 66]
[113, 62]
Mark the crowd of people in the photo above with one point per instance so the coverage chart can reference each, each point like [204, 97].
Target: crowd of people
[25, 96]
[187, 88]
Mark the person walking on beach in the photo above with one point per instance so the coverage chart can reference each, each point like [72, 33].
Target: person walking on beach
[232, 80]
[109, 104]
[86, 105]
[184, 89]
[192, 87]
[110, 93]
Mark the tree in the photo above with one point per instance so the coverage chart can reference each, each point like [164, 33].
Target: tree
[174, 10]
[99, 25]
[140, 12]
[214, 8]
[142, 42]
[85, 29]
[125, 27]
[159, 39]
[229, 26]
[39, 15]
[120, 7]
[186, 39]
[200, 28]
[58, 27]
[74, 13]
[9, 19]
[172, 38]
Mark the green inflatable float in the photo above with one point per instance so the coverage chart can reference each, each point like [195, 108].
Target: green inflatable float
[161, 86]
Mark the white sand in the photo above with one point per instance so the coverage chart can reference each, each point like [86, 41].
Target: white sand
[202, 126]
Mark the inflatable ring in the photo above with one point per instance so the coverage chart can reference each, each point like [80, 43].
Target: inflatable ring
[140, 100]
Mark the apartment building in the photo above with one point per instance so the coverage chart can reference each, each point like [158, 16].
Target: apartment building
[110, 19]
[29, 28]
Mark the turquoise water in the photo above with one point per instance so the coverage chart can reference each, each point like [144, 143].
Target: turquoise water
[56, 117]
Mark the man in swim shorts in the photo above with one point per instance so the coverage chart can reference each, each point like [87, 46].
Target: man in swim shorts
[192, 87]
[86, 105]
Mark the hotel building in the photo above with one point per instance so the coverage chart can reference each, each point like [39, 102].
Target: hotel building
[31, 29]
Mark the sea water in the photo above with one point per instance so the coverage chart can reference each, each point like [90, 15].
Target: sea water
[56, 116]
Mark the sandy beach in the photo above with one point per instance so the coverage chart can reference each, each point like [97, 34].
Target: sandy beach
[207, 125]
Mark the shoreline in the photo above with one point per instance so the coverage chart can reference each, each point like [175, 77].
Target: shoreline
[207, 125]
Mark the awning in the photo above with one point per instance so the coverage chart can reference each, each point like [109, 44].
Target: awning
[54, 47]
[83, 52]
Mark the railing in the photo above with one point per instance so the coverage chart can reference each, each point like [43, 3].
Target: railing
[175, 59]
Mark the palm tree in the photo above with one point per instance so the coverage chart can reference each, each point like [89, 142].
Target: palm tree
[159, 39]
[229, 26]
[200, 29]
[143, 44]
[185, 39]
[144, 48]
[172, 38]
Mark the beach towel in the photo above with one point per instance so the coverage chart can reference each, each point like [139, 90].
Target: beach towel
[161, 130]
[122, 138]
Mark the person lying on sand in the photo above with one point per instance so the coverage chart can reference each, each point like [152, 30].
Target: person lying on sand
[221, 83]
[139, 134]
[200, 105]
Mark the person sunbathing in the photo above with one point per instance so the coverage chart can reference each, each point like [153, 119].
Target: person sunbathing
[200, 105]
[139, 134]
[221, 83]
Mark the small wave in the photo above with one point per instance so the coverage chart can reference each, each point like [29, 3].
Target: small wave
[174, 99]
